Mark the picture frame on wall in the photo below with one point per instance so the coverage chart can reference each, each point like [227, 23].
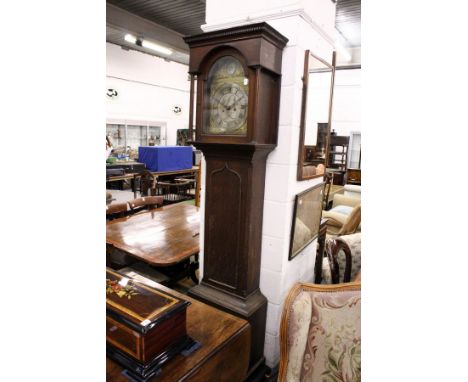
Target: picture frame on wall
[182, 137]
[307, 214]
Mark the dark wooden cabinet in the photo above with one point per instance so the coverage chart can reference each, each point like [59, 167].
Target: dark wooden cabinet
[353, 176]
[238, 74]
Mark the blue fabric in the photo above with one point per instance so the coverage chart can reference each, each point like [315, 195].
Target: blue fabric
[166, 158]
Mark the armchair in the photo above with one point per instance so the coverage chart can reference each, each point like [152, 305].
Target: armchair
[343, 219]
[352, 191]
[344, 259]
[320, 334]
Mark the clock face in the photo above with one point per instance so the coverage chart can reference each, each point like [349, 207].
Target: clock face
[226, 98]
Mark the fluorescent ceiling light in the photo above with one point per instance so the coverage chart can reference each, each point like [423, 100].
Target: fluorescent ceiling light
[158, 48]
[130, 38]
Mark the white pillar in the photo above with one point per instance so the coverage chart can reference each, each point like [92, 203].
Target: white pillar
[307, 25]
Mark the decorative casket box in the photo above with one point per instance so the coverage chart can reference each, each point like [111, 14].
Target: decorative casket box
[145, 326]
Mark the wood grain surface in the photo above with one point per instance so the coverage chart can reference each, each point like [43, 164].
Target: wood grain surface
[222, 357]
[161, 237]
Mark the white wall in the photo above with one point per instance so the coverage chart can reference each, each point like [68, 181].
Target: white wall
[149, 87]
[346, 115]
[278, 274]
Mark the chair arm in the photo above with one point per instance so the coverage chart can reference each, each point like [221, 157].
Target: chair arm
[339, 199]
[334, 218]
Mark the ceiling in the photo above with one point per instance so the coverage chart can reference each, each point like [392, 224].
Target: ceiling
[167, 21]
[348, 21]
[182, 16]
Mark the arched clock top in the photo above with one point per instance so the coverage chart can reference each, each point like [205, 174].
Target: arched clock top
[259, 44]
[238, 73]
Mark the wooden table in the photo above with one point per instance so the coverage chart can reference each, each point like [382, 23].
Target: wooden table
[222, 357]
[161, 237]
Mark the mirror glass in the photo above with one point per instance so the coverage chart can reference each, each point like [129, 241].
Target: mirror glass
[317, 98]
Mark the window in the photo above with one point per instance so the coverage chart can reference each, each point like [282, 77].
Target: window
[131, 134]
[355, 150]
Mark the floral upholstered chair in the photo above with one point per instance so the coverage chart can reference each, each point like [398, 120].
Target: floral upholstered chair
[343, 261]
[320, 339]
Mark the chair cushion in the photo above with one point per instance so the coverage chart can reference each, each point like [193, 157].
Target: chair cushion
[326, 272]
[345, 210]
[333, 347]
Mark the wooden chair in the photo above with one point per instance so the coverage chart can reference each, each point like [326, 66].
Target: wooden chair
[147, 183]
[320, 333]
[174, 191]
[116, 210]
[344, 259]
[145, 203]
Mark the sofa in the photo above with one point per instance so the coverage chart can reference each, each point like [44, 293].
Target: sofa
[320, 334]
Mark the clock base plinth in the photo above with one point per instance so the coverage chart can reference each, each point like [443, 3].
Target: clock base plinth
[252, 308]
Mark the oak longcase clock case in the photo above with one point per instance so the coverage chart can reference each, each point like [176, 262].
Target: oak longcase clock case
[238, 79]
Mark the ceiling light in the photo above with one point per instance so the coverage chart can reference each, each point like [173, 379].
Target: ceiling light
[158, 48]
[130, 38]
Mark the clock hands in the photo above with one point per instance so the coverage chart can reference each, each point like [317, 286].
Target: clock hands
[232, 99]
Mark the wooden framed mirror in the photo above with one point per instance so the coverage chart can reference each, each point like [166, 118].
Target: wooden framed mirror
[317, 101]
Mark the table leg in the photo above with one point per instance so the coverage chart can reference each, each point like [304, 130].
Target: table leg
[193, 269]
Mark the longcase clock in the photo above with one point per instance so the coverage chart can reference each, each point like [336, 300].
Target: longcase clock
[238, 72]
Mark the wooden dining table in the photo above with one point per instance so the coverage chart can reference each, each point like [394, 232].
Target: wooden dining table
[161, 237]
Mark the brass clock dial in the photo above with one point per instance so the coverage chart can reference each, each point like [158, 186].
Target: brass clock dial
[226, 98]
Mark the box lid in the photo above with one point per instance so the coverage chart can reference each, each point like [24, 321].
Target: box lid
[137, 305]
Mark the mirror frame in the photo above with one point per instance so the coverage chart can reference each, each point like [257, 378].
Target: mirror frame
[305, 81]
